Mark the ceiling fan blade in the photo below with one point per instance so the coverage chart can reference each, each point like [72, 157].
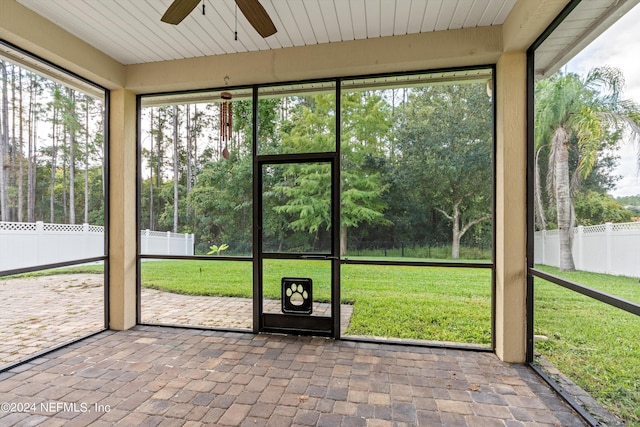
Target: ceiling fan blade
[179, 10]
[257, 17]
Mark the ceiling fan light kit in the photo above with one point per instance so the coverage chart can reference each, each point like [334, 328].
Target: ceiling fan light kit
[251, 9]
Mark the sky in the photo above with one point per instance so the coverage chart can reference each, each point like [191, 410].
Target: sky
[619, 47]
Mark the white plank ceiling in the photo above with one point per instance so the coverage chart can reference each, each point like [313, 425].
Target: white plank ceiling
[583, 25]
[131, 32]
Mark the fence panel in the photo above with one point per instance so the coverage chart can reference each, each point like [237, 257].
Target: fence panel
[166, 243]
[605, 248]
[625, 250]
[24, 245]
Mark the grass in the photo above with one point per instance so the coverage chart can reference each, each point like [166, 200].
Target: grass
[441, 252]
[221, 278]
[620, 286]
[81, 269]
[431, 303]
[594, 344]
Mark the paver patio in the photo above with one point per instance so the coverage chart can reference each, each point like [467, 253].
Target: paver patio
[169, 376]
[40, 313]
[44, 312]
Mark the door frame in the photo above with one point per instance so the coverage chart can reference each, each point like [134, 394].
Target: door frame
[293, 323]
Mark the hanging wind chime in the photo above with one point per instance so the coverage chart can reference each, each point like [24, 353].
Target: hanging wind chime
[226, 122]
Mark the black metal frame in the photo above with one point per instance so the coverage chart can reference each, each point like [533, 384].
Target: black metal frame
[292, 323]
[105, 257]
[257, 266]
[532, 272]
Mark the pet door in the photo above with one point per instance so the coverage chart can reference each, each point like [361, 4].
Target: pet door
[297, 295]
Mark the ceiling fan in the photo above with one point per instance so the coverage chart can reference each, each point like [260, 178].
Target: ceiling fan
[251, 9]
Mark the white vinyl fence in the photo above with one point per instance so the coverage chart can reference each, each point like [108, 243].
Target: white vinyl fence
[606, 248]
[24, 244]
[165, 243]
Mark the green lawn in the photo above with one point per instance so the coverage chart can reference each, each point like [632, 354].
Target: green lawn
[443, 304]
[594, 344]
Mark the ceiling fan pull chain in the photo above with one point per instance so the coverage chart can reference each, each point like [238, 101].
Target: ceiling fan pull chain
[235, 30]
[203, 7]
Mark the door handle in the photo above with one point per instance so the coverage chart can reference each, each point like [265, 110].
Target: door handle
[319, 257]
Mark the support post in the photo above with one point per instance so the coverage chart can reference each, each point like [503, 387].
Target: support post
[122, 210]
[511, 207]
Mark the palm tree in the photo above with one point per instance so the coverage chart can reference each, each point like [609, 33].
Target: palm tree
[579, 116]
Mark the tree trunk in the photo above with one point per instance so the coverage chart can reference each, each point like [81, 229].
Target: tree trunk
[34, 158]
[175, 168]
[54, 161]
[14, 148]
[563, 199]
[86, 161]
[189, 148]
[31, 154]
[72, 158]
[20, 150]
[343, 240]
[194, 156]
[4, 143]
[151, 226]
[537, 188]
[103, 148]
[65, 158]
[455, 233]
[160, 155]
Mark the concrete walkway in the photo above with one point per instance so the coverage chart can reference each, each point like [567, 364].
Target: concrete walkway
[176, 377]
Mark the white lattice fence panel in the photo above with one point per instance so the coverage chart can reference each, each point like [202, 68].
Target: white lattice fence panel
[64, 228]
[17, 226]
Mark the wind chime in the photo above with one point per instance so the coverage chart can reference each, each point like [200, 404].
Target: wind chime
[226, 122]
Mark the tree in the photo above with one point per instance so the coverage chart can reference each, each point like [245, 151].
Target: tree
[594, 208]
[4, 144]
[20, 146]
[580, 115]
[72, 126]
[305, 192]
[365, 126]
[175, 169]
[444, 155]
[47, 163]
[632, 203]
[221, 202]
[56, 106]
[35, 108]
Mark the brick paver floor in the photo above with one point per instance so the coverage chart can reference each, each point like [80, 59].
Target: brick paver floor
[221, 312]
[170, 376]
[41, 312]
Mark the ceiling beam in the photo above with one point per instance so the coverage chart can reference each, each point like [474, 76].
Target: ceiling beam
[415, 52]
[527, 20]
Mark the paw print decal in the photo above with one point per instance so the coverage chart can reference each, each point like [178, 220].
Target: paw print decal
[296, 295]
